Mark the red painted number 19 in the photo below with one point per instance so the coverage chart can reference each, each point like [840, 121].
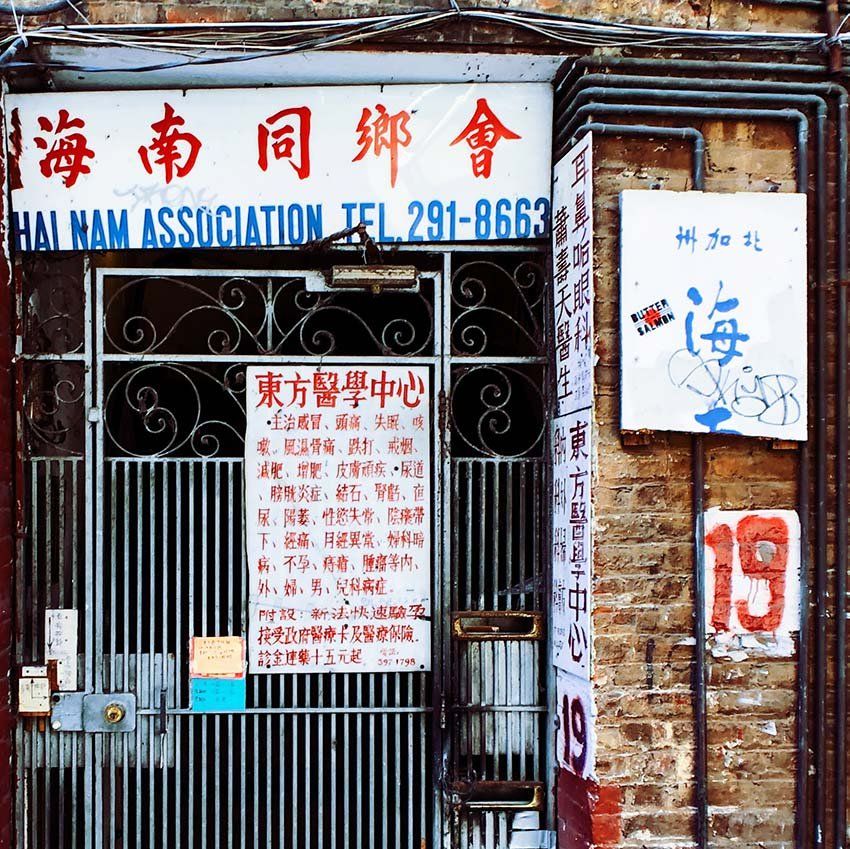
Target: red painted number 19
[763, 552]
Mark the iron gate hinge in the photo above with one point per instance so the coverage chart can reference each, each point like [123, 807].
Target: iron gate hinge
[442, 416]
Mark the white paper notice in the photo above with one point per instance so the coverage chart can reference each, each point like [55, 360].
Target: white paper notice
[338, 518]
[573, 443]
[60, 641]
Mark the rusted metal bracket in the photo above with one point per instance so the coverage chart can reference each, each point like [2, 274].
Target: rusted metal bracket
[497, 795]
[497, 625]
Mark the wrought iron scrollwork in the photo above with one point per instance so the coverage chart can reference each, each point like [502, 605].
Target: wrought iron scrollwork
[171, 409]
[253, 315]
[152, 315]
[53, 408]
[498, 410]
[496, 311]
[52, 305]
[325, 324]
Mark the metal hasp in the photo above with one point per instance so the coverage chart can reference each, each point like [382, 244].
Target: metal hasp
[374, 277]
[94, 712]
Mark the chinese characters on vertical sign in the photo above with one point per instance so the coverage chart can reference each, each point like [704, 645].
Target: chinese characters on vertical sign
[572, 454]
[148, 169]
[338, 518]
[713, 313]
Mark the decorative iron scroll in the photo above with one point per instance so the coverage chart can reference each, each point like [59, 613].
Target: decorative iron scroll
[52, 305]
[498, 411]
[177, 410]
[165, 315]
[496, 311]
[53, 410]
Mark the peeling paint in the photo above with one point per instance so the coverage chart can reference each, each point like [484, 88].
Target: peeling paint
[15, 146]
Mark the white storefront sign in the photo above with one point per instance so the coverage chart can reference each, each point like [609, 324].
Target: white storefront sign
[572, 428]
[338, 518]
[278, 166]
[713, 312]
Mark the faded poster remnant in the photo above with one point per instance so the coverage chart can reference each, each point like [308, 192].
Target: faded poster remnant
[217, 657]
[752, 561]
[572, 428]
[731, 269]
[338, 518]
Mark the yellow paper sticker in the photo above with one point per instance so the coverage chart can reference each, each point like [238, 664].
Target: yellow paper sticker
[217, 657]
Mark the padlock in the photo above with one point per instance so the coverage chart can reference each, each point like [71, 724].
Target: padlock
[113, 713]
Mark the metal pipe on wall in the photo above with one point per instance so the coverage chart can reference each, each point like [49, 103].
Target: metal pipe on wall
[698, 448]
[839, 735]
[700, 767]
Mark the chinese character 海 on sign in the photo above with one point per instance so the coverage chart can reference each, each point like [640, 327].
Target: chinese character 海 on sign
[713, 313]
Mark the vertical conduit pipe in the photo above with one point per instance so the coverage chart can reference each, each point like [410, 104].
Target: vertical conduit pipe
[840, 711]
[697, 455]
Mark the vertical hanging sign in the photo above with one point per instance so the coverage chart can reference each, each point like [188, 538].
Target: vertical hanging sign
[338, 518]
[572, 428]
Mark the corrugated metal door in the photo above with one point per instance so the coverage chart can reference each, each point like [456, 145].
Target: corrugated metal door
[131, 389]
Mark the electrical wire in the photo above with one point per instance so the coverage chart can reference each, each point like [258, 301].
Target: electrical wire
[11, 8]
[198, 45]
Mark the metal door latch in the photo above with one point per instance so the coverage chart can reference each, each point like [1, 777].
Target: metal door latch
[94, 712]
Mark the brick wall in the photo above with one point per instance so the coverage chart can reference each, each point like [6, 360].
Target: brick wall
[643, 587]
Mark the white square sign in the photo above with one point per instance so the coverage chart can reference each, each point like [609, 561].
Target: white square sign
[713, 313]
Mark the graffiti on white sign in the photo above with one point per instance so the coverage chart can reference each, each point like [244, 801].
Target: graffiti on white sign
[278, 166]
[338, 518]
[713, 313]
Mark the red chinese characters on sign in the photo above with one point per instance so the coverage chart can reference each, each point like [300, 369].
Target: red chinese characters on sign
[286, 135]
[349, 386]
[483, 132]
[380, 131]
[67, 154]
[174, 149]
[338, 518]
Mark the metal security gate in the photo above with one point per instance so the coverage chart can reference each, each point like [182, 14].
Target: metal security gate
[131, 384]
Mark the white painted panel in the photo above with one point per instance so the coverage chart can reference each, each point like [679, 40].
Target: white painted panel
[713, 312]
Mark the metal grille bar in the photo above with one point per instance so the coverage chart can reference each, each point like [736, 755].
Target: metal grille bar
[148, 546]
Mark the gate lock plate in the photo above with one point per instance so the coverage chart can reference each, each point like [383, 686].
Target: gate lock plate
[95, 712]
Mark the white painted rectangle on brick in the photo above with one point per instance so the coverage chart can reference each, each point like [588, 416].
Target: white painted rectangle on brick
[713, 312]
[752, 572]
